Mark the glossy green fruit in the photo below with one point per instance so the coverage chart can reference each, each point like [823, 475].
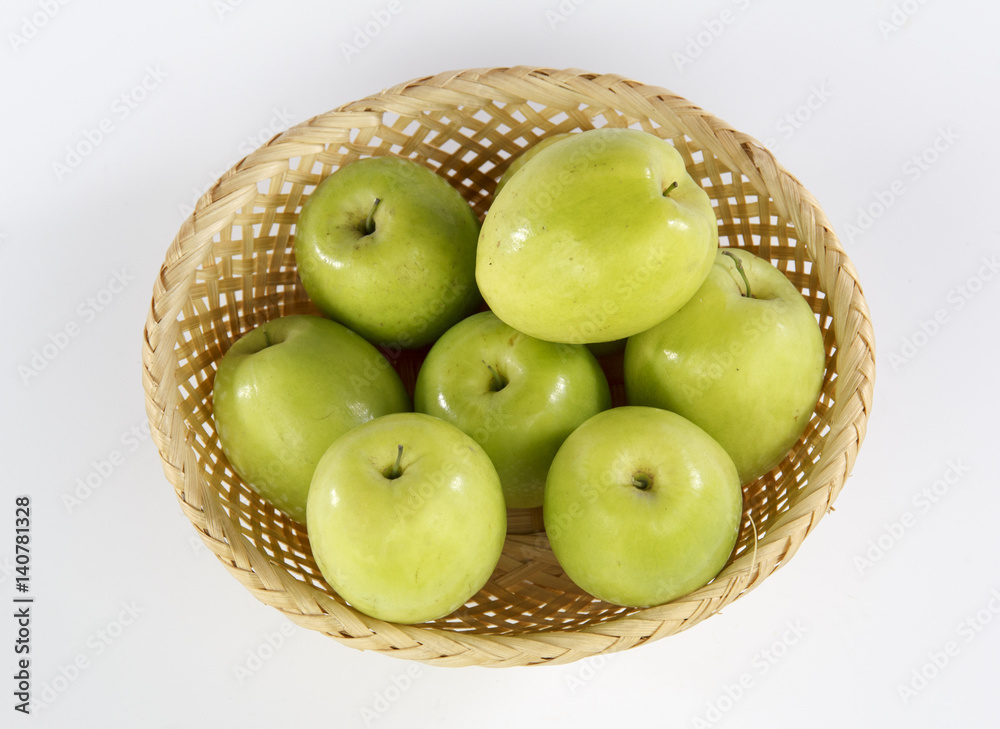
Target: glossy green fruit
[517, 396]
[641, 506]
[412, 539]
[289, 388]
[598, 237]
[388, 248]
[748, 370]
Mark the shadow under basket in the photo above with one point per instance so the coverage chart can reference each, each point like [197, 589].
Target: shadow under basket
[232, 267]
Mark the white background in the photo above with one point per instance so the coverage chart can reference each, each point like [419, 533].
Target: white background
[168, 639]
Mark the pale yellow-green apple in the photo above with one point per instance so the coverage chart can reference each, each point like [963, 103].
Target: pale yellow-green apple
[641, 506]
[518, 162]
[289, 388]
[388, 248]
[746, 368]
[599, 236]
[517, 396]
[406, 517]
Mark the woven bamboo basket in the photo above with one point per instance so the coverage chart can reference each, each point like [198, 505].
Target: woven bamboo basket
[232, 266]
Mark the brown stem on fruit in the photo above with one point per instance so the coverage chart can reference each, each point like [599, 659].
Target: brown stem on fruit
[642, 481]
[670, 189]
[395, 470]
[739, 269]
[370, 221]
[498, 382]
[267, 339]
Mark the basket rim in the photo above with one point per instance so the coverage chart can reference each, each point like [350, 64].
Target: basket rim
[238, 186]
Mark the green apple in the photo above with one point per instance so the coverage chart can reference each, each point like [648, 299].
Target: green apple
[517, 396]
[746, 368]
[289, 388]
[598, 237]
[406, 517]
[641, 506]
[388, 248]
[518, 162]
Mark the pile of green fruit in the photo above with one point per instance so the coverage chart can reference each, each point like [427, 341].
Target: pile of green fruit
[598, 241]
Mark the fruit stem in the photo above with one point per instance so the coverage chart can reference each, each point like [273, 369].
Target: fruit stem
[498, 383]
[370, 221]
[267, 339]
[395, 471]
[739, 269]
[642, 481]
[670, 189]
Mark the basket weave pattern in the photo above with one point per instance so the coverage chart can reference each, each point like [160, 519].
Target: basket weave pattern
[231, 267]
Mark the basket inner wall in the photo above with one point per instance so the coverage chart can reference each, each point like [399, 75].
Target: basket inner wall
[249, 277]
